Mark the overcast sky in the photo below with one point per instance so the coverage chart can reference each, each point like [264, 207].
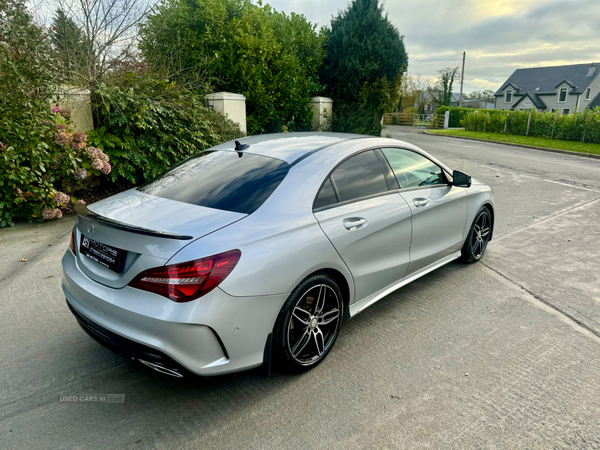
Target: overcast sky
[499, 36]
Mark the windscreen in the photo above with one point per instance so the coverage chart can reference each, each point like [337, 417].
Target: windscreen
[230, 181]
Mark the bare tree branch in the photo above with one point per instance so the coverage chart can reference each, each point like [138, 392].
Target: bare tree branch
[109, 29]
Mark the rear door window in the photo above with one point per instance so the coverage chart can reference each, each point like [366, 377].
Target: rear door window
[230, 181]
[359, 176]
[326, 196]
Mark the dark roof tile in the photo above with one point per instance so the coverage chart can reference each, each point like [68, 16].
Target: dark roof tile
[548, 78]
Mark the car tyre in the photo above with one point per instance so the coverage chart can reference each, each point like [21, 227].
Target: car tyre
[478, 237]
[308, 324]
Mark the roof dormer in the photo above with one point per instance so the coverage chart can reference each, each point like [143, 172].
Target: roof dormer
[569, 83]
[562, 90]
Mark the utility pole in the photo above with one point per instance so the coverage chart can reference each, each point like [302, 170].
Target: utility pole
[462, 79]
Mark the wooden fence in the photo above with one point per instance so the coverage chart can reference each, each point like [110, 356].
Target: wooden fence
[414, 120]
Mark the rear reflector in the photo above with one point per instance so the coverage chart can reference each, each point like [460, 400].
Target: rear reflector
[72, 244]
[190, 280]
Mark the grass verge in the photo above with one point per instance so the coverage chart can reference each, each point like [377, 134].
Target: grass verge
[571, 146]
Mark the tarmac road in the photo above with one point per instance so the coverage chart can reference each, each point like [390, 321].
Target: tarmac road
[498, 354]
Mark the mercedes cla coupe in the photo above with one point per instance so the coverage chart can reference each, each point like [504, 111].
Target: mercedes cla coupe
[257, 251]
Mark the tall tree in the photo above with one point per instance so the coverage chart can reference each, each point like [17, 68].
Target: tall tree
[487, 95]
[67, 39]
[362, 71]
[412, 90]
[442, 92]
[109, 31]
[27, 70]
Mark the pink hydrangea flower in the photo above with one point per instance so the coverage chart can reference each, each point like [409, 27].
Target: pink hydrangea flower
[48, 214]
[106, 169]
[47, 123]
[77, 145]
[79, 136]
[60, 127]
[61, 198]
[97, 164]
[103, 156]
[58, 213]
[56, 109]
[80, 202]
[93, 152]
[61, 138]
[80, 174]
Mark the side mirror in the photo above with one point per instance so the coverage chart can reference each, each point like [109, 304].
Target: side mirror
[461, 179]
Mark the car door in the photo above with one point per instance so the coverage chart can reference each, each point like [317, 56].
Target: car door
[439, 209]
[368, 224]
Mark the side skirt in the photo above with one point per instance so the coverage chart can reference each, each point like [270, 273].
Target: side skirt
[363, 304]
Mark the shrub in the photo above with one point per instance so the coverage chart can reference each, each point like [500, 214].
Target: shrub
[541, 124]
[269, 57]
[458, 115]
[569, 127]
[38, 181]
[147, 126]
[40, 154]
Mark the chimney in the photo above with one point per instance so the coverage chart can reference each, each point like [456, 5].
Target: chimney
[591, 70]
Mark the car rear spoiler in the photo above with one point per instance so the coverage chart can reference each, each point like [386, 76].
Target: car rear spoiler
[83, 211]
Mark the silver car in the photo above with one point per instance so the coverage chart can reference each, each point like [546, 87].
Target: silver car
[256, 251]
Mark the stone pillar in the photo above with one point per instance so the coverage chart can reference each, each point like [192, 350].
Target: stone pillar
[233, 106]
[79, 102]
[322, 108]
[446, 119]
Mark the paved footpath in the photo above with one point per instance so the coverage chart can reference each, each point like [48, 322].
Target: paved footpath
[499, 354]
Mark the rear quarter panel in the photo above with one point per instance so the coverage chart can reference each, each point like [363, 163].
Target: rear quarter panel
[281, 242]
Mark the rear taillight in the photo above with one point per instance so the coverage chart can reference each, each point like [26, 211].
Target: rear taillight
[72, 244]
[190, 280]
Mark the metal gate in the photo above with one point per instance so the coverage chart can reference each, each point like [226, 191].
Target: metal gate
[423, 120]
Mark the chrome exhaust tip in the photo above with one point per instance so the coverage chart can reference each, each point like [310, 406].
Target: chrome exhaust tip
[161, 369]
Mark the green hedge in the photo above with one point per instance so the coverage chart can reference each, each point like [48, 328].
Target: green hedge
[146, 126]
[569, 127]
[457, 114]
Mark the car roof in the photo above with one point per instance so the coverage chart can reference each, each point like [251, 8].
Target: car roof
[296, 147]
[289, 147]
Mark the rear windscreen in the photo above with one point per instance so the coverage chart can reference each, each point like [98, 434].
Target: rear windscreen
[226, 180]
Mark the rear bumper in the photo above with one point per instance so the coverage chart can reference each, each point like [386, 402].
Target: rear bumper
[126, 347]
[215, 334]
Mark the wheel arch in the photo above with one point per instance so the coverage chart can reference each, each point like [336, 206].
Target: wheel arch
[341, 281]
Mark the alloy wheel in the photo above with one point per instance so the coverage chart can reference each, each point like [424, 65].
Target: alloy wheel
[313, 324]
[481, 234]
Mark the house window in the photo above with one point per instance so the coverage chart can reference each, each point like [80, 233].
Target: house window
[566, 111]
[562, 95]
[588, 93]
[508, 97]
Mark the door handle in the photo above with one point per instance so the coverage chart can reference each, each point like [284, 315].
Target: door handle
[420, 202]
[354, 223]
